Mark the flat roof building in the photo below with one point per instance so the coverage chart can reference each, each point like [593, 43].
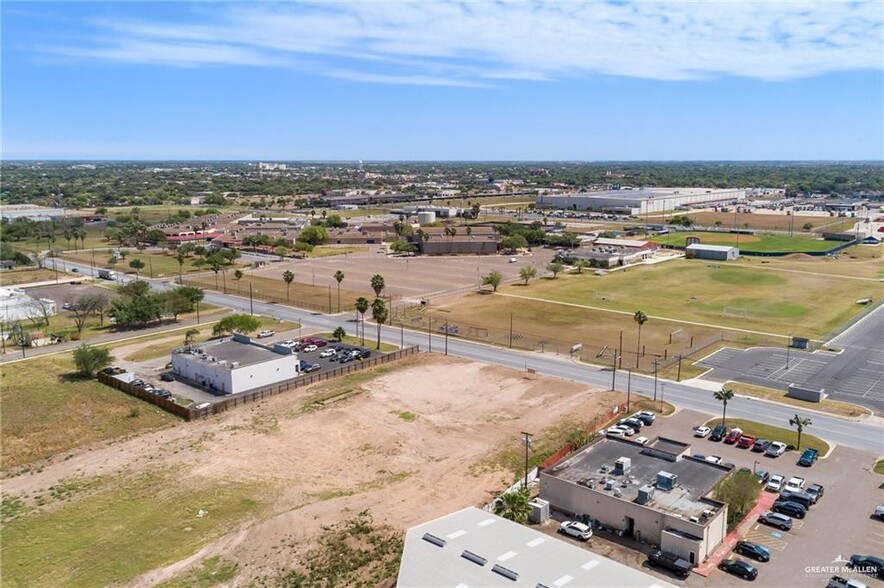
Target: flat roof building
[641, 200]
[715, 252]
[234, 365]
[472, 547]
[31, 211]
[655, 493]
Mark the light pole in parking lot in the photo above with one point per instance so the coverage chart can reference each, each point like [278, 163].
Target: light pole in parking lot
[754, 466]
[788, 347]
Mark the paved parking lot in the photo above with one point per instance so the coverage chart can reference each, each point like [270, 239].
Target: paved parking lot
[838, 526]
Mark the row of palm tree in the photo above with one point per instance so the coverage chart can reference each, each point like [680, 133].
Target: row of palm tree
[726, 394]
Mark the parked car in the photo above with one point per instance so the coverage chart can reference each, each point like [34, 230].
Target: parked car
[364, 353]
[733, 435]
[634, 424]
[616, 432]
[718, 433]
[265, 333]
[67, 306]
[802, 498]
[137, 383]
[740, 568]
[167, 377]
[815, 491]
[795, 484]
[761, 445]
[753, 550]
[698, 456]
[309, 349]
[839, 582]
[163, 393]
[626, 429]
[641, 440]
[762, 476]
[879, 512]
[289, 343]
[670, 561]
[713, 459]
[202, 405]
[646, 416]
[311, 367]
[867, 564]
[775, 484]
[793, 509]
[775, 519]
[702, 431]
[576, 529]
[328, 353]
[345, 358]
[808, 458]
[746, 441]
[775, 449]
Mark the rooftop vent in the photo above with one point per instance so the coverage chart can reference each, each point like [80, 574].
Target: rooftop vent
[438, 541]
[622, 466]
[476, 559]
[665, 480]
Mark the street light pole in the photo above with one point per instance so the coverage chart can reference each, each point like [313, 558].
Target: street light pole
[788, 346]
[628, 389]
[251, 302]
[614, 371]
[655, 380]
[662, 389]
[526, 439]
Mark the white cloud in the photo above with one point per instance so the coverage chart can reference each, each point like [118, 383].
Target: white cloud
[469, 44]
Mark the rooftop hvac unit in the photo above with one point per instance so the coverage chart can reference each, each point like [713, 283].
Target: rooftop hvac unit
[645, 494]
[609, 484]
[539, 511]
[694, 519]
[665, 480]
[622, 466]
[708, 513]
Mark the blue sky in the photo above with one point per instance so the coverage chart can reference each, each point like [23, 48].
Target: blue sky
[443, 81]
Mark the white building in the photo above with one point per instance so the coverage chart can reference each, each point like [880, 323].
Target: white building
[234, 365]
[15, 305]
[715, 252]
[31, 211]
[472, 547]
[641, 200]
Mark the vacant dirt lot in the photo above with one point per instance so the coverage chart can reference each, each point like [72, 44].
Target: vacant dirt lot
[403, 441]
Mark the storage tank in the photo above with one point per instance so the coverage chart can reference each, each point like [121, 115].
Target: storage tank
[426, 218]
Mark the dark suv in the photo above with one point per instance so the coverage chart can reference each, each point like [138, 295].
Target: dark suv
[792, 509]
[718, 433]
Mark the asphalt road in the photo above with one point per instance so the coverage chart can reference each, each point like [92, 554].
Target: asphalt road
[867, 435]
[854, 375]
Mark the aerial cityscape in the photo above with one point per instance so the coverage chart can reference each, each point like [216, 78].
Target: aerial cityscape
[431, 294]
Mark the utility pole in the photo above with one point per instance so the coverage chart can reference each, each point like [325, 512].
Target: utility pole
[446, 337]
[788, 346]
[526, 439]
[678, 377]
[329, 300]
[614, 372]
[655, 380]
[93, 262]
[401, 335]
[251, 301]
[662, 388]
[620, 350]
[628, 388]
[430, 333]
[511, 330]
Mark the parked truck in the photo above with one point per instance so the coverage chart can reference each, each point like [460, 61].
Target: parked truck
[670, 561]
[106, 274]
[809, 457]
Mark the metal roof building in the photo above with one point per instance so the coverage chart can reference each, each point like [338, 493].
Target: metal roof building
[472, 547]
[716, 252]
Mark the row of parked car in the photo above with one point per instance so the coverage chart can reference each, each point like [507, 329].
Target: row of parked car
[629, 426]
[737, 437]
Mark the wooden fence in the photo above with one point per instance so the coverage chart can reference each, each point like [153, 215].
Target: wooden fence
[232, 401]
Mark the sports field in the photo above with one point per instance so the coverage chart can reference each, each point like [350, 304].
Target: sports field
[767, 222]
[862, 262]
[758, 243]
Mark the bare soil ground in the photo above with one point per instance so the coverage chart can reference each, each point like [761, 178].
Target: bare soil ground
[403, 448]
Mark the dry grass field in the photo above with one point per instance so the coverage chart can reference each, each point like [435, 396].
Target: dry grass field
[773, 222]
[26, 275]
[256, 487]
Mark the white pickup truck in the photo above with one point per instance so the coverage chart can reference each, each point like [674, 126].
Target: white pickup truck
[795, 484]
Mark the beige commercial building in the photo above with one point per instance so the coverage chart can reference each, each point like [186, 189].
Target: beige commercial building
[656, 494]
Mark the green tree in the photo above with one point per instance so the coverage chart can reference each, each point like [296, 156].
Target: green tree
[555, 267]
[362, 305]
[339, 277]
[287, 277]
[724, 395]
[493, 279]
[314, 235]
[137, 265]
[89, 359]
[192, 293]
[807, 226]
[175, 303]
[513, 242]
[238, 275]
[181, 256]
[190, 336]
[799, 423]
[380, 314]
[527, 273]
[282, 251]
[339, 333]
[236, 323]
[739, 491]
[640, 319]
[378, 284]
[513, 505]
[580, 264]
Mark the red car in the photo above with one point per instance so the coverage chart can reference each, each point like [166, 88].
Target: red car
[746, 441]
[733, 436]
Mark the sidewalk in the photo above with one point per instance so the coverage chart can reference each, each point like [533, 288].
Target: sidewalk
[764, 503]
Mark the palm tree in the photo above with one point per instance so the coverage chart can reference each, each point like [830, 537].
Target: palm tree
[238, 275]
[287, 277]
[362, 305]
[513, 506]
[182, 255]
[799, 423]
[380, 314]
[724, 395]
[190, 335]
[378, 284]
[640, 318]
[339, 276]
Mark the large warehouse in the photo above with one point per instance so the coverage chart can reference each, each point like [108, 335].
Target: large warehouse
[641, 200]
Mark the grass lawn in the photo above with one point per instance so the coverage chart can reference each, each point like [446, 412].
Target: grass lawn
[758, 243]
[695, 290]
[212, 571]
[24, 276]
[830, 406]
[330, 250]
[661, 408]
[274, 290]
[771, 222]
[156, 265]
[370, 339]
[94, 238]
[122, 528]
[879, 467]
[853, 262]
[772, 433]
[45, 413]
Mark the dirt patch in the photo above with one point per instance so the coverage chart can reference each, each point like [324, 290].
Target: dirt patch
[360, 453]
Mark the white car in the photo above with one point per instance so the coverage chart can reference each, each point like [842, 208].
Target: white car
[290, 343]
[713, 459]
[626, 429]
[265, 333]
[310, 349]
[776, 449]
[616, 432]
[641, 440]
[775, 484]
[795, 484]
[576, 529]
[328, 353]
[702, 431]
